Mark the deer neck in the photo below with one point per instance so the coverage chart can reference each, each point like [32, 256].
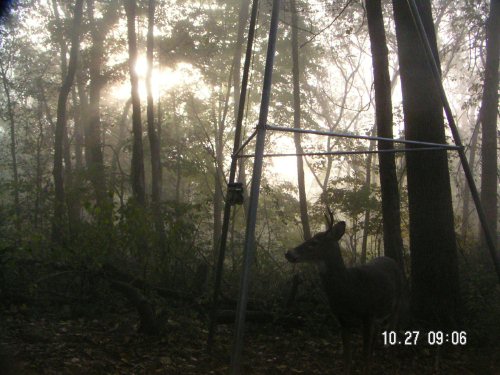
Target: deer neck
[332, 268]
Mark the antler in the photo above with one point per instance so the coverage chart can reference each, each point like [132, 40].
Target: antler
[329, 218]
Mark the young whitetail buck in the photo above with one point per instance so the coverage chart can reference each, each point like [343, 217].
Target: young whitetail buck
[366, 295]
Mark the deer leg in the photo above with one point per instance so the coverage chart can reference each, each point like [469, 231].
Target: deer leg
[395, 317]
[368, 332]
[346, 344]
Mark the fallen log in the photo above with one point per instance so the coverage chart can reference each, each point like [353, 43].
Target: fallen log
[148, 322]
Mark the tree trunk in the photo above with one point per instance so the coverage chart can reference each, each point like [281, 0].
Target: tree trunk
[154, 139]
[78, 131]
[74, 180]
[238, 48]
[435, 299]
[58, 233]
[391, 211]
[137, 170]
[118, 184]
[219, 117]
[39, 171]
[71, 197]
[84, 113]
[179, 150]
[242, 21]
[93, 143]
[366, 225]
[218, 180]
[60, 39]
[466, 191]
[488, 116]
[70, 192]
[304, 217]
[152, 133]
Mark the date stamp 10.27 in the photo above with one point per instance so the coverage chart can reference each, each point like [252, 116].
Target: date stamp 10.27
[411, 338]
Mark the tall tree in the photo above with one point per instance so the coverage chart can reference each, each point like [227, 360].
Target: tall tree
[304, 218]
[118, 183]
[152, 131]
[238, 49]
[59, 35]
[367, 189]
[391, 214]
[71, 199]
[137, 173]
[434, 267]
[78, 131]
[60, 130]
[93, 142]
[37, 214]
[154, 139]
[83, 110]
[465, 229]
[219, 126]
[219, 116]
[488, 117]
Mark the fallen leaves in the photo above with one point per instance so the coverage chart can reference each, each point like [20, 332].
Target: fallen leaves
[110, 345]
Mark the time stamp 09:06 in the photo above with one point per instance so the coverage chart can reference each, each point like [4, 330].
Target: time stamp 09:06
[431, 337]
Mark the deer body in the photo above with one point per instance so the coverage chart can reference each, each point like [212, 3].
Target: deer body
[364, 296]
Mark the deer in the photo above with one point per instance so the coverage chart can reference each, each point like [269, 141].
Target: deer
[366, 295]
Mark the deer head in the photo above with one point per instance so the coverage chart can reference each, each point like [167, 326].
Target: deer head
[320, 245]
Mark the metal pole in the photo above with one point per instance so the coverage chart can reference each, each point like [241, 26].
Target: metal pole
[364, 152]
[356, 136]
[456, 136]
[232, 175]
[249, 249]
[249, 139]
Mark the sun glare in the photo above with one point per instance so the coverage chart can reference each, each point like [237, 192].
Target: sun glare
[163, 80]
[141, 67]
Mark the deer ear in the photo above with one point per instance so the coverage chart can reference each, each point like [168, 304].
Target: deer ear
[338, 230]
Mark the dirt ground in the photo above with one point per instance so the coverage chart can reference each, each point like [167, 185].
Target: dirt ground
[47, 344]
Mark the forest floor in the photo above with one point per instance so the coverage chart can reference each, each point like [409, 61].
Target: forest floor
[35, 343]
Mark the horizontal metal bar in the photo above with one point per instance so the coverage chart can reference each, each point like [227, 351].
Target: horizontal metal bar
[394, 150]
[245, 143]
[365, 137]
